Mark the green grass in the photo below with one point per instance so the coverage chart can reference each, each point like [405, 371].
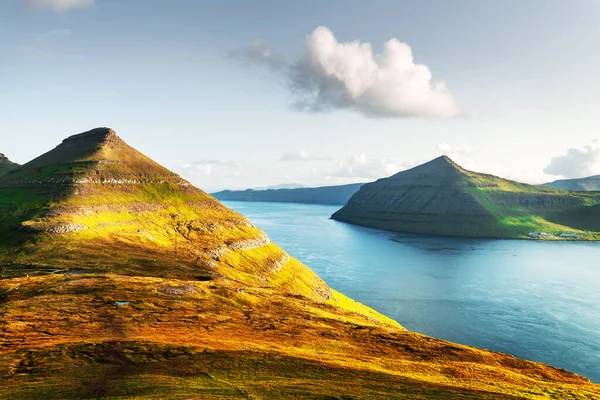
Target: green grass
[442, 198]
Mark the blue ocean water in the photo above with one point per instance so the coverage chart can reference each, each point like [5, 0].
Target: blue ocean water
[536, 300]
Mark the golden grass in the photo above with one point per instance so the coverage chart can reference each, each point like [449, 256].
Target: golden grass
[265, 343]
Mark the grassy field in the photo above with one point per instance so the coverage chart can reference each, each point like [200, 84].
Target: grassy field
[66, 337]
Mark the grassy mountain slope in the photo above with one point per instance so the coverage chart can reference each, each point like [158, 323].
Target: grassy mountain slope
[332, 195]
[121, 280]
[6, 165]
[440, 197]
[587, 184]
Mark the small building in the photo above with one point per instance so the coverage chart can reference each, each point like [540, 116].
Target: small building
[569, 235]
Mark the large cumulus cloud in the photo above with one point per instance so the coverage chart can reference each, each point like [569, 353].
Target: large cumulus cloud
[350, 75]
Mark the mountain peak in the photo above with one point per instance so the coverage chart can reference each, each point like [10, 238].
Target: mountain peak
[442, 167]
[441, 164]
[96, 132]
[97, 136]
[445, 160]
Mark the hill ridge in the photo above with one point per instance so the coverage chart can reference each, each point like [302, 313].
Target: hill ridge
[440, 197]
[586, 184]
[328, 195]
[6, 165]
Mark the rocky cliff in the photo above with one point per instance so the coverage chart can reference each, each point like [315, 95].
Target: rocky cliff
[442, 198]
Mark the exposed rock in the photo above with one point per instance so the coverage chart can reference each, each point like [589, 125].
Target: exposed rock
[248, 244]
[177, 290]
[66, 228]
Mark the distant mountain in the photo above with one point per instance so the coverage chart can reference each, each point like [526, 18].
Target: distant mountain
[332, 195]
[442, 198]
[6, 165]
[589, 184]
[281, 186]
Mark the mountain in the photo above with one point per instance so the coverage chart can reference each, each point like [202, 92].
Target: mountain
[333, 195]
[588, 184]
[6, 165]
[442, 198]
[119, 279]
[281, 186]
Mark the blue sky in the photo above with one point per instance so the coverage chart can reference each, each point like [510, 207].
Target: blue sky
[206, 87]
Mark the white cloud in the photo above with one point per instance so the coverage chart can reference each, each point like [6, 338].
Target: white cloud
[349, 75]
[302, 155]
[448, 150]
[206, 167]
[362, 167]
[261, 54]
[60, 6]
[577, 163]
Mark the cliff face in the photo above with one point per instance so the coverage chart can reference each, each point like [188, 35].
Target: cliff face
[588, 184]
[6, 165]
[331, 195]
[119, 279]
[442, 198]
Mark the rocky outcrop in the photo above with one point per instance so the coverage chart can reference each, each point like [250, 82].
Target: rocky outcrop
[54, 228]
[248, 244]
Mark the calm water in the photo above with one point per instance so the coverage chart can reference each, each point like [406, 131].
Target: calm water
[535, 300]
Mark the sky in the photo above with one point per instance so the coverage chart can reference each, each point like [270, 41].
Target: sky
[239, 94]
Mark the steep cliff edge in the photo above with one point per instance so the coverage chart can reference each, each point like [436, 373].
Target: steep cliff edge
[119, 279]
[442, 198]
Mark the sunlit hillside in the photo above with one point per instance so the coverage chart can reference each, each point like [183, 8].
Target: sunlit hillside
[121, 280]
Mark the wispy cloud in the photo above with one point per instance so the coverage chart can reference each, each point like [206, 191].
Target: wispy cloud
[259, 53]
[206, 167]
[577, 162]
[349, 75]
[448, 150]
[362, 167]
[59, 6]
[303, 155]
